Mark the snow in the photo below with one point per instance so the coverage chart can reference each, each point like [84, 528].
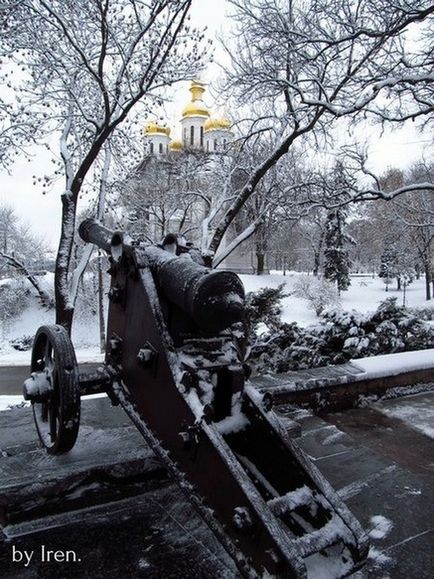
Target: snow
[381, 527]
[11, 357]
[37, 384]
[364, 295]
[321, 566]
[416, 411]
[7, 402]
[290, 501]
[393, 364]
[236, 422]
[85, 330]
[379, 558]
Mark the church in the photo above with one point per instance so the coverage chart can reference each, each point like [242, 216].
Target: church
[167, 162]
[200, 131]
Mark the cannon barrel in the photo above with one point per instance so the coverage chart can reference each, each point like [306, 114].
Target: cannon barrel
[93, 232]
[213, 299]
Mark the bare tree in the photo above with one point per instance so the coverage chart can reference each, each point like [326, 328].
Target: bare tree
[8, 227]
[302, 65]
[85, 66]
[21, 251]
[313, 229]
[414, 215]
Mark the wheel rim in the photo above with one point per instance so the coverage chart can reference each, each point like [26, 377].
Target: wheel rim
[57, 416]
[46, 413]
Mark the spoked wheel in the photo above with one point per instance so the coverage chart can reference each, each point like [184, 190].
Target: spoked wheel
[54, 389]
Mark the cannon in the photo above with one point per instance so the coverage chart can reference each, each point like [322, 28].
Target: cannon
[175, 363]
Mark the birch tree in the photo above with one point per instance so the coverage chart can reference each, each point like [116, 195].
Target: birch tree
[79, 70]
[303, 65]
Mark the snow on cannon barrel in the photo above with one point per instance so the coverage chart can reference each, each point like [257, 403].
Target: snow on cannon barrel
[213, 299]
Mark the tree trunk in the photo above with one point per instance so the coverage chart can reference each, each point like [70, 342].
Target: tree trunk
[316, 263]
[398, 283]
[101, 304]
[260, 260]
[64, 307]
[427, 282]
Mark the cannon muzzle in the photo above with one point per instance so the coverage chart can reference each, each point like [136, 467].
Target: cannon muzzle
[93, 232]
[213, 299]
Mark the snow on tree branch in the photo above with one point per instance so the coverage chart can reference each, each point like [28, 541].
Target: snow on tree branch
[83, 69]
[303, 64]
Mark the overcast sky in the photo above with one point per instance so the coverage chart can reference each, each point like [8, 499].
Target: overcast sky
[399, 148]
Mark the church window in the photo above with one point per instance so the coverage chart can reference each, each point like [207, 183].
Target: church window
[160, 148]
[207, 145]
[151, 148]
[215, 144]
[201, 136]
[191, 136]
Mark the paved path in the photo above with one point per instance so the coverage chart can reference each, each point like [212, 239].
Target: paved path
[383, 469]
[12, 378]
[138, 523]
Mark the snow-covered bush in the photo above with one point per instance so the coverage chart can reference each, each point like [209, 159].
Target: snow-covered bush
[341, 336]
[344, 335]
[319, 292]
[409, 332]
[22, 344]
[425, 313]
[267, 352]
[307, 351]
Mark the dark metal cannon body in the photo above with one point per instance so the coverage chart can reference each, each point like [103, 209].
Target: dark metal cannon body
[174, 362]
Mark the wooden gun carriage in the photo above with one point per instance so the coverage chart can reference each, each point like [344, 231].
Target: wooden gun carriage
[174, 362]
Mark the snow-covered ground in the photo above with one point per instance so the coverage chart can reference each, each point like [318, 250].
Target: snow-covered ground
[364, 295]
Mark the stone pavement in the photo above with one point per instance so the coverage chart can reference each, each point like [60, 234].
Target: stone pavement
[382, 467]
[140, 526]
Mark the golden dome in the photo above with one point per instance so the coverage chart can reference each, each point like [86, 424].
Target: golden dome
[217, 124]
[176, 145]
[152, 128]
[196, 107]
